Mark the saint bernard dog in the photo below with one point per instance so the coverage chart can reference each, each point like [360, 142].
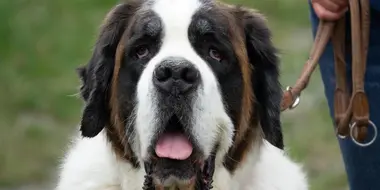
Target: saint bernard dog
[175, 82]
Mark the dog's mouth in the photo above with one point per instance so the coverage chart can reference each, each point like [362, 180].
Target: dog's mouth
[175, 160]
[173, 143]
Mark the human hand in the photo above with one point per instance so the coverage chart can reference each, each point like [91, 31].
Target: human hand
[330, 10]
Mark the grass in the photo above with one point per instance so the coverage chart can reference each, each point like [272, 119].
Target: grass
[41, 44]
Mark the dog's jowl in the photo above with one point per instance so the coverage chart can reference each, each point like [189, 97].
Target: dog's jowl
[171, 84]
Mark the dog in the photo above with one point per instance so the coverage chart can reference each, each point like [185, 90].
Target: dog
[172, 83]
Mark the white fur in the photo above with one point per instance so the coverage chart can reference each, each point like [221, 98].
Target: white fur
[91, 165]
[210, 121]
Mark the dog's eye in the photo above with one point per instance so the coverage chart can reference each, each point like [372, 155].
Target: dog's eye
[142, 52]
[215, 54]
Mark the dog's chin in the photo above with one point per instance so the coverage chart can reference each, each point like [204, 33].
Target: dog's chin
[170, 172]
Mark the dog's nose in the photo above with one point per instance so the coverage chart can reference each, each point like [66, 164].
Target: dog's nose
[176, 77]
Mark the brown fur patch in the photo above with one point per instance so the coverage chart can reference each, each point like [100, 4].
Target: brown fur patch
[248, 129]
[117, 132]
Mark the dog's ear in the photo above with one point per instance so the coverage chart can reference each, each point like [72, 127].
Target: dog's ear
[96, 76]
[265, 74]
[84, 88]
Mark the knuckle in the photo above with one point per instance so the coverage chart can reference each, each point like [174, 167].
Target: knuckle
[322, 14]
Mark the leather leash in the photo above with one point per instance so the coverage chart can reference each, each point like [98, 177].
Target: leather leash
[351, 112]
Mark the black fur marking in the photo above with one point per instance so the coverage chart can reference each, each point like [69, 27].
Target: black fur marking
[265, 76]
[96, 75]
[148, 182]
[96, 113]
[209, 29]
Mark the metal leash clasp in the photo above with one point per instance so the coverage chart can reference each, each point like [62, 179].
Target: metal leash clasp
[296, 100]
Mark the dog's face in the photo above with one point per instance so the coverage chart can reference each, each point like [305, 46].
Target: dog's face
[175, 81]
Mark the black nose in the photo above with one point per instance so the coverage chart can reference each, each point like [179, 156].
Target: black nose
[176, 77]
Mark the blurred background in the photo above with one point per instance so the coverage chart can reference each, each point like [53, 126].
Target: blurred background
[43, 41]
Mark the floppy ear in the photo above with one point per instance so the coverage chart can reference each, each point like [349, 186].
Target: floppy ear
[97, 74]
[84, 88]
[265, 76]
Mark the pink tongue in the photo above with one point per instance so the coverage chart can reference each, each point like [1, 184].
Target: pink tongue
[174, 146]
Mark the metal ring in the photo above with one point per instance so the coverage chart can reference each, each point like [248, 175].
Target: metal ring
[364, 144]
[296, 101]
[343, 136]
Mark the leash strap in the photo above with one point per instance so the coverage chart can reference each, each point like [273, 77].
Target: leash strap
[351, 111]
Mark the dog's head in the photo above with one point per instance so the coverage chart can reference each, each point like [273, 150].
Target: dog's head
[175, 81]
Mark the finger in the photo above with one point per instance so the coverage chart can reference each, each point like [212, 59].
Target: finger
[341, 3]
[325, 14]
[329, 5]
